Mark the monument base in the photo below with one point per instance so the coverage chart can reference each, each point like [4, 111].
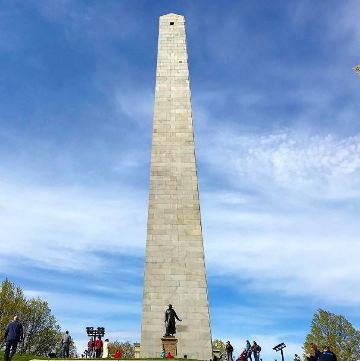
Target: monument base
[169, 344]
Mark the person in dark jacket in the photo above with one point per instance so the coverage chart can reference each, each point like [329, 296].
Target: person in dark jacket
[256, 350]
[229, 351]
[13, 335]
[327, 355]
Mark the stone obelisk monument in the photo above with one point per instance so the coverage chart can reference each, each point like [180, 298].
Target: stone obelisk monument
[174, 264]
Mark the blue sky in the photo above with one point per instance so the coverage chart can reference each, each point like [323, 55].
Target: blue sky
[276, 111]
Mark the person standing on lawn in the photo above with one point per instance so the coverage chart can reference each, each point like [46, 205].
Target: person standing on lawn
[98, 347]
[65, 342]
[13, 335]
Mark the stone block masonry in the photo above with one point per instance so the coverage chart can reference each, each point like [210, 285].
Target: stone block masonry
[174, 263]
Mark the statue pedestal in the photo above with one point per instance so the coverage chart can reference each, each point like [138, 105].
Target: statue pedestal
[169, 344]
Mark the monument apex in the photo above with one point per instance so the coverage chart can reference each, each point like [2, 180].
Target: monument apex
[174, 262]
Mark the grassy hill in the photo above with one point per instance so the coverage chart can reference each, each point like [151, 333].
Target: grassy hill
[26, 357]
[23, 357]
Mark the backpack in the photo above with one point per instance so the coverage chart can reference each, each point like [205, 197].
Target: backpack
[258, 348]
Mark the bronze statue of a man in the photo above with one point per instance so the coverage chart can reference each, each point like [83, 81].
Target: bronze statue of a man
[170, 316]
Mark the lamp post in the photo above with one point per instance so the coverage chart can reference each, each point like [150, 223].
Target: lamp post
[93, 332]
[280, 348]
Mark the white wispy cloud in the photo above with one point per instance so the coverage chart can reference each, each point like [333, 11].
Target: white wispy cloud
[290, 222]
[60, 301]
[290, 213]
[289, 160]
[61, 227]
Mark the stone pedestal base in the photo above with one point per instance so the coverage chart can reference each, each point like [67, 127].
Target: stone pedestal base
[169, 344]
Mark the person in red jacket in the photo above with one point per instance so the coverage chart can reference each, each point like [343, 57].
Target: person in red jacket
[243, 355]
[117, 355]
[98, 347]
[91, 346]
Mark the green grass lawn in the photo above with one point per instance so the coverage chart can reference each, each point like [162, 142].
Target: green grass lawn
[26, 357]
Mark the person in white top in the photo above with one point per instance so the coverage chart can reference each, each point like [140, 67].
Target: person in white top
[106, 349]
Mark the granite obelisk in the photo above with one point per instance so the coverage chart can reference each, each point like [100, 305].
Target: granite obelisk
[174, 263]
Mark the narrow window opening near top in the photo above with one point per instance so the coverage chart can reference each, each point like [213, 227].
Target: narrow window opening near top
[171, 23]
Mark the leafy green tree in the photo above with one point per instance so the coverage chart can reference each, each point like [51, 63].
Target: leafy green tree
[126, 348]
[42, 333]
[219, 344]
[336, 332]
[12, 302]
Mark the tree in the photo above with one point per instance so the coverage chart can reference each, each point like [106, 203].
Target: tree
[336, 332]
[12, 302]
[219, 344]
[126, 348]
[42, 333]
